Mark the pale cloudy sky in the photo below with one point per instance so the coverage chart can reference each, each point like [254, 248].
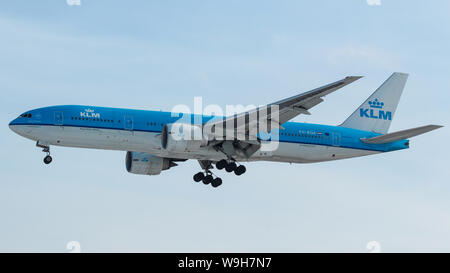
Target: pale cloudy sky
[157, 54]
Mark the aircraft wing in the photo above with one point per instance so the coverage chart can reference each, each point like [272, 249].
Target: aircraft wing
[285, 109]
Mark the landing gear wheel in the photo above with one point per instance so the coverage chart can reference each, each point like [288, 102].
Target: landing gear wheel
[221, 164]
[240, 170]
[199, 177]
[208, 179]
[48, 159]
[230, 167]
[216, 182]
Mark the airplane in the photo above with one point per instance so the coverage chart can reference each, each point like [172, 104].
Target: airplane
[152, 145]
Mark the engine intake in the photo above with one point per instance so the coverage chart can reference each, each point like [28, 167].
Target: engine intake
[147, 164]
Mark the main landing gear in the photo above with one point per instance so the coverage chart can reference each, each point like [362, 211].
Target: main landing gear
[46, 149]
[207, 177]
[230, 166]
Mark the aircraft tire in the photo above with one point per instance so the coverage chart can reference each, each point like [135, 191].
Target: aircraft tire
[199, 177]
[216, 182]
[230, 167]
[48, 159]
[221, 164]
[240, 170]
[208, 179]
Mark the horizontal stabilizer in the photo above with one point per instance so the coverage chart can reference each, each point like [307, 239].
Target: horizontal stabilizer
[404, 134]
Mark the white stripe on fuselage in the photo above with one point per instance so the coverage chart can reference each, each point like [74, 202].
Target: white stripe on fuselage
[150, 142]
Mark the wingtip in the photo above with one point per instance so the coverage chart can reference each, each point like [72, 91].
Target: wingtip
[432, 127]
[353, 78]
[401, 73]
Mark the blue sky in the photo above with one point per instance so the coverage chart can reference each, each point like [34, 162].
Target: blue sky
[157, 54]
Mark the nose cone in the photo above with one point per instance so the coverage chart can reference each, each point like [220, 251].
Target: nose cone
[12, 125]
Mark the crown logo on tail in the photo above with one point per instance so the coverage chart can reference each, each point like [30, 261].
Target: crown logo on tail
[376, 104]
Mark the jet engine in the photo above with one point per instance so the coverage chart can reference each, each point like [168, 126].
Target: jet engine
[182, 137]
[147, 164]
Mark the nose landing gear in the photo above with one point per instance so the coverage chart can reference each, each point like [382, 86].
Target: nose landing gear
[46, 149]
[48, 159]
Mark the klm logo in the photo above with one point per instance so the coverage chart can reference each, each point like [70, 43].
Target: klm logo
[89, 113]
[375, 111]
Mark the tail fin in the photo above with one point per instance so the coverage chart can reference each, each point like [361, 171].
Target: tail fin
[377, 112]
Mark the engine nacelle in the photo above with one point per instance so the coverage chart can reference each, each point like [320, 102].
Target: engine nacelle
[147, 164]
[182, 137]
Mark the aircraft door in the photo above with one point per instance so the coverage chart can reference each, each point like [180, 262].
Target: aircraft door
[59, 118]
[128, 123]
[335, 139]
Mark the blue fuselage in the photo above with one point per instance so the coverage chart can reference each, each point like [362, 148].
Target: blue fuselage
[127, 120]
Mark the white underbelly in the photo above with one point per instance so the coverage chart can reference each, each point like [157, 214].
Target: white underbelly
[308, 153]
[111, 139]
[150, 142]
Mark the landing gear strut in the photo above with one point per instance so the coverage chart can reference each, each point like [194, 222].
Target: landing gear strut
[46, 149]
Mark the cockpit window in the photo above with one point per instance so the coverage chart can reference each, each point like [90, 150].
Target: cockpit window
[25, 116]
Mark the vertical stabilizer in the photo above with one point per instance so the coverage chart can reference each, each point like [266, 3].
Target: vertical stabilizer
[377, 112]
